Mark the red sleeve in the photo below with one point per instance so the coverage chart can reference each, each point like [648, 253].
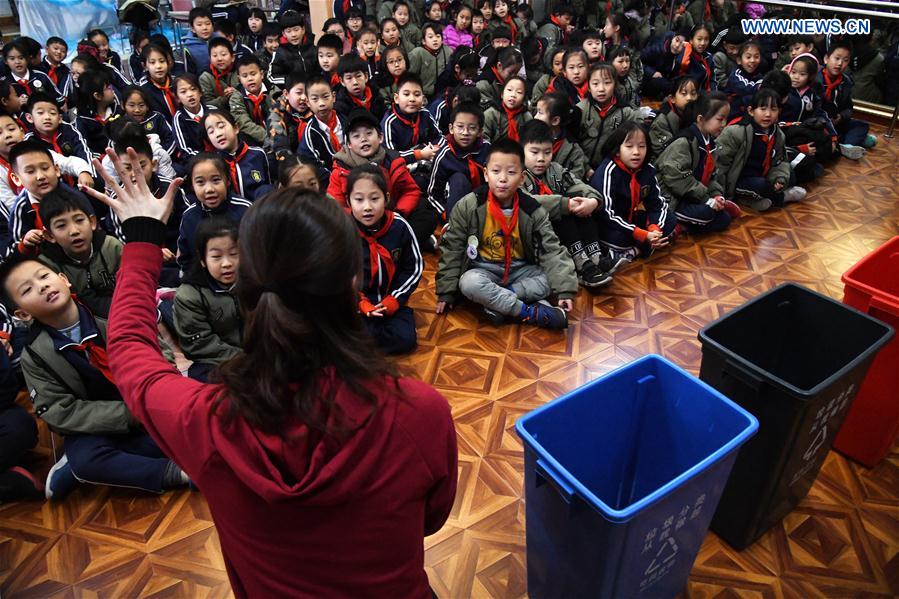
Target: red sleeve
[337, 185]
[403, 188]
[174, 409]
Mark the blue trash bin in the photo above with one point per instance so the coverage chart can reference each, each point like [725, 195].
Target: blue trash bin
[622, 477]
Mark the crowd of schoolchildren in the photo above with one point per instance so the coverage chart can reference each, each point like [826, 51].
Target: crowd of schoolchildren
[523, 153]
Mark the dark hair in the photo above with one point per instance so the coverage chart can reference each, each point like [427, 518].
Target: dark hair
[17, 44]
[399, 4]
[62, 201]
[504, 145]
[188, 78]
[619, 135]
[208, 229]
[215, 159]
[582, 35]
[509, 56]
[536, 132]
[557, 105]
[6, 89]
[563, 9]
[697, 28]
[56, 40]
[32, 45]
[136, 89]
[333, 21]
[408, 77]
[764, 97]
[467, 108]
[437, 28]
[294, 79]
[258, 13]
[28, 146]
[7, 266]
[385, 79]
[90, 83]
[154, 47]
[841, 45]
[302, 329]
[291, 163]
[271, 30]
[572, 52]
[247, 60]
[292, 18]
[465, 94]
[620, 20]
[316, 79]
[366, 171]
[706, 105]
[618, 53]
[197, 13]
[805, 40]
[388, 20]
[750, 44]
[225, 27]
[352, 64]
[95, 32]
[220, 42]
[811, 64]
[222, 114]
[37, 98]
[128, 134]
[778, 81]
[332, 41]
[163, 42]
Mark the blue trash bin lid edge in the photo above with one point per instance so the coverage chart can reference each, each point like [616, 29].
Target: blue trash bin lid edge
[634, 509]
[775, 381]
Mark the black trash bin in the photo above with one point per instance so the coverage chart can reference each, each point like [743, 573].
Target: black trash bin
[795, 360]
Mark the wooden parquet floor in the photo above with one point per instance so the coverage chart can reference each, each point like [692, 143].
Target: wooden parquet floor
[843, 541]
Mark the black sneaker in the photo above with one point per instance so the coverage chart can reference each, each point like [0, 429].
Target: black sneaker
[609, 263]
[592, 275]
[546, 316]
[495, 318]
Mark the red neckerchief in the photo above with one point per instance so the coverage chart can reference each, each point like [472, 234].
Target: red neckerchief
[557, 145]
[513, 124]
[634, 188]
[52, 141]
[218, 78]
[232, 166]
[707, 83]
[830, 86]
[602, 112]
[542, 188]
[16, 189]
[166, 90]
[101, 119]
[96, 356]
[416, 124]
[506, 225]
[301, 122]
[474, 169]
[52, 75]
[768, 139]
[574, 93]
[508, 20]
[431, 52]
[707, 11]
[555, 21]
[258, 102]
[24, 83]
[365, 102]
[335, 80]
[709, 165]
[377, 252]
[499, 78]
[332, 124]
[38, 223]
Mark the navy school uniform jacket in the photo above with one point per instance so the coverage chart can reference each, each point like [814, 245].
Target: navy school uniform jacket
[188, 134]
[406, 133]
[164, 103]
[254, 41]
[698, 67]
[137, 67]
[800, 107]
[58, 75]
[233, 208]
[241, 50]
[657, 58]
[119, 81]
[158, 186]
[395, 234]
[836, 95]
[440, 112]
[741, 86]
[67, 141]
[451, 160]
[374, 103]
[156, 124]
[614, 184]
[316, 144]
[92, 129]
[288, 58]
[23, 218]
[249, 171]
[35, 81]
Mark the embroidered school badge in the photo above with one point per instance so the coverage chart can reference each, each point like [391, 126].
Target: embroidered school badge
[256, 176]
[149, 126]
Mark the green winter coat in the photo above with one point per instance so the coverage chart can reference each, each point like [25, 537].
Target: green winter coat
[207, 321]
[496, 123]
[733, 149]
[560, 181]
[573, 159]
[410, 36]
[540, 88]
[210, 94]
[428, 66]
[675, 168]
[94, 281]
[868, 86]
[238, 109]
[491, 93]
[718, 21]
[541, 246]
[663, 130]
[595, 131]
[724, 66]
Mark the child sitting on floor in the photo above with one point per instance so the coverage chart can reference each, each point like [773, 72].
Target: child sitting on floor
[247, 165]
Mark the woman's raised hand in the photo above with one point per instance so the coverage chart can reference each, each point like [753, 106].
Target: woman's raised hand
[133, 196]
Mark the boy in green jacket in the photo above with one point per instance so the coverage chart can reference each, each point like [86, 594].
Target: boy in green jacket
[500, 250]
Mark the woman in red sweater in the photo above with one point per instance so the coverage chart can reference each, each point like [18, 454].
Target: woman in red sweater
[323, 471]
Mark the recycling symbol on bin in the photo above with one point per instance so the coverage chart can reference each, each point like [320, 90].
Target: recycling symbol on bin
[667, 552]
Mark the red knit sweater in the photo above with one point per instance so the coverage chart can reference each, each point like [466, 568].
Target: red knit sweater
[307, 518]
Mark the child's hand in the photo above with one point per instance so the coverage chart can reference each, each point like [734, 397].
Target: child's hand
[653, 236]
[565, 304]
[33, 238]
[6, 345]
[833, 145]
[778, 186]
[812, 150]
[659, 242]
[167, 255]
[657, 75]
[719, 202]
[428, 152]
[85, 179]
[443, 307]
[581, 206]
[228, 91]
[377, 312]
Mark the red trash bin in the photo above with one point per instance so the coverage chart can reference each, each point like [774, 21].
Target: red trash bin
[870, 427]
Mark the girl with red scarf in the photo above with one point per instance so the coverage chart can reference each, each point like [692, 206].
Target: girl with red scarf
[572, 81]
[695, 60]
[506, 119]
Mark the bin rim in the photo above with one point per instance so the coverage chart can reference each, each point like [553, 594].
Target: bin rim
[623, 515]
[775, 381]
[849, 280]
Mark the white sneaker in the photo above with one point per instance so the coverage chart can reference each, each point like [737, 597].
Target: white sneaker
[852, 152]
[794, 194]
[758, 204]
